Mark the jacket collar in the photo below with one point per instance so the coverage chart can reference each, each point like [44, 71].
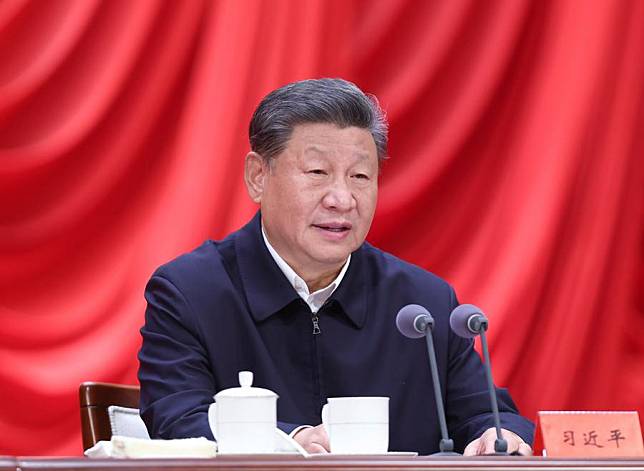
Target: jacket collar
[268, 291]
[352, 292]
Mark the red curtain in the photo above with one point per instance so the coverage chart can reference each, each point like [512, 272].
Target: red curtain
[516, 173]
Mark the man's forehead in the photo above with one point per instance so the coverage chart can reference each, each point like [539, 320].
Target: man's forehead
[321, 138]
[321, 150]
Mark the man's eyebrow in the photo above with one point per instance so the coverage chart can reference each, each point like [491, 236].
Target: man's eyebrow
[363, 155]
[315, 148]
[323, 151]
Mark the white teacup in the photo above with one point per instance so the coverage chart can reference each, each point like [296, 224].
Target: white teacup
[357, 425]
[243, 420]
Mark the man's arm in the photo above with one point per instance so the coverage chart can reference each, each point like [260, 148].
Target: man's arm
[177, 384]
[175, 373]
[468, 405]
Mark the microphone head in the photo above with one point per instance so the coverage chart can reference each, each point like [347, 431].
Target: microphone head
[459, 320]
[406, 320]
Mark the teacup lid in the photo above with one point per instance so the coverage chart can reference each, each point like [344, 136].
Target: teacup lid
[245, 389]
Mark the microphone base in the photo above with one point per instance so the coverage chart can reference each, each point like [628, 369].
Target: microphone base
[446, 453]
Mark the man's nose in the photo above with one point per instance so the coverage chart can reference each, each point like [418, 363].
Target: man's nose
[339, 197]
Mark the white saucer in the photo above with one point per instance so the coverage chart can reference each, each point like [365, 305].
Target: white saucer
[389, 453]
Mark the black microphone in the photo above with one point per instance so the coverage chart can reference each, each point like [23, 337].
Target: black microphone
[415, 321]
[468, 321]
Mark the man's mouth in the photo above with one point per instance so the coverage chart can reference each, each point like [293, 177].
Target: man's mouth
[334, 227]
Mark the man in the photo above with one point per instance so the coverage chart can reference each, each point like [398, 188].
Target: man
[298, 297]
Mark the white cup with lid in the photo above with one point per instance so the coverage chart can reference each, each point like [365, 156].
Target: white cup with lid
[243, 420]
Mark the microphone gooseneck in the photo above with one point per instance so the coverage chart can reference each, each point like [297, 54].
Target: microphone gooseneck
[414, 321]
[468, 321]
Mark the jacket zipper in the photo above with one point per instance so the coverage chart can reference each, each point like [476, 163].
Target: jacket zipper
[316, 325]
[316, 320]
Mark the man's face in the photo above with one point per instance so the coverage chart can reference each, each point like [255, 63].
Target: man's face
[318, 196]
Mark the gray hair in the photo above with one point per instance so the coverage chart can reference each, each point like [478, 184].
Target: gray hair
[327, 100]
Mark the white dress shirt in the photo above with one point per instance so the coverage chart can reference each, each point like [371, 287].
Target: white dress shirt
[314, 300]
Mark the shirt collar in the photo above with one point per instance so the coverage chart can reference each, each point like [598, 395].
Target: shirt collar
[316, 299]
[268, 291]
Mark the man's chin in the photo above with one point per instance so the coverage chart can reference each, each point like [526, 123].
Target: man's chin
[332, 254]
[332, 260]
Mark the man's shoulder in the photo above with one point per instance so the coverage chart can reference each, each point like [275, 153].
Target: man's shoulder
[205, 276]
[392, 267]
[213, 258]
[191, 263]
[207, 263]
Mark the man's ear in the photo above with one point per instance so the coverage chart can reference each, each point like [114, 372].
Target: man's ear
[255, 172]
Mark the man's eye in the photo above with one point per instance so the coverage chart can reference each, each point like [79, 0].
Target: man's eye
[317, 171]
[361, 176]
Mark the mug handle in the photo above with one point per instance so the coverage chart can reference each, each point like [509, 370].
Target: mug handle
[212, 419]
[325, 417]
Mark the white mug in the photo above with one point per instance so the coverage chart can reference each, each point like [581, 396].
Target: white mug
[357, 425]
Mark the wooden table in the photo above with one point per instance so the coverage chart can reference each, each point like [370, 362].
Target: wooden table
[330, 463]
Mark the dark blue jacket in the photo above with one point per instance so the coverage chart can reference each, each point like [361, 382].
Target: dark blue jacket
[227, 307]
